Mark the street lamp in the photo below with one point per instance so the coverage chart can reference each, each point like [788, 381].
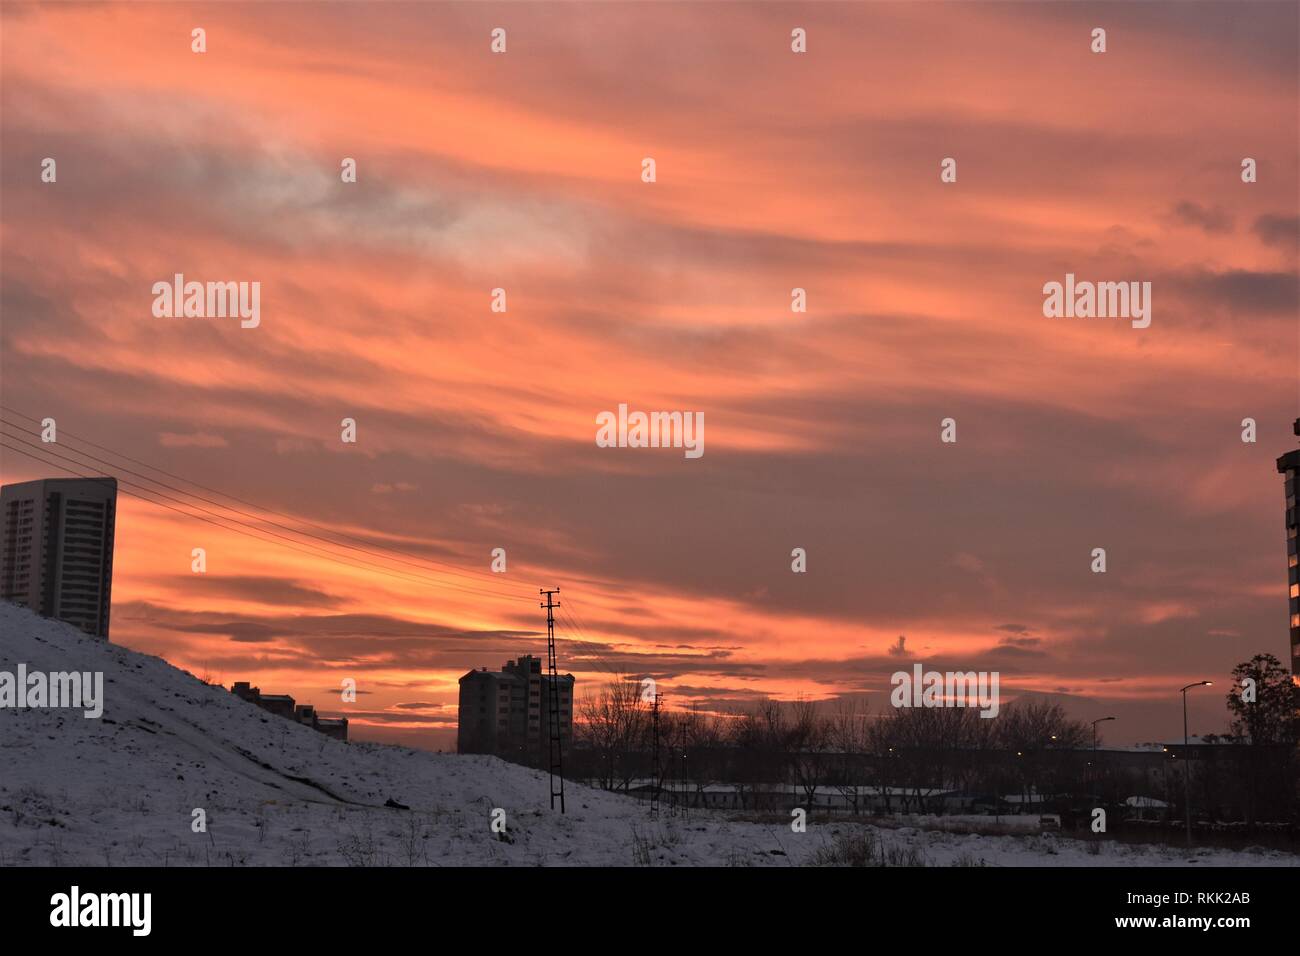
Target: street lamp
[686, 780]
[1187, 787]
[1093, 765]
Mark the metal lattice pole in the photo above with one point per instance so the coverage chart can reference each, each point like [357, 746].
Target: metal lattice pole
[658, 773]
[557, 743]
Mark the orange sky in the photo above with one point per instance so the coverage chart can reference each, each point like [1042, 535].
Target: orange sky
[774, 171]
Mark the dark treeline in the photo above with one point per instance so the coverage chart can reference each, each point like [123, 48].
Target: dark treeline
[1032, 751]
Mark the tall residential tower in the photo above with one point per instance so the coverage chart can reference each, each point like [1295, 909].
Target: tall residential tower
[1289, 465]
[507, 712]
[56, 548]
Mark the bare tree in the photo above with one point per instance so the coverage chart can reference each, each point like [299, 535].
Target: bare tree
[850, 741]
[614, 726]
[758, 737]
[808, 745]
[1039, 741]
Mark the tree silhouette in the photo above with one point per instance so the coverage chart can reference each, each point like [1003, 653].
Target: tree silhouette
[1269, 726]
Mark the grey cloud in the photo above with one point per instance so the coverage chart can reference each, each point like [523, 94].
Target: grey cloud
[1282, 230]
[1211, 219]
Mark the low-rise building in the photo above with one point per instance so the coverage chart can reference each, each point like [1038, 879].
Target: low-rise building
[283, 705]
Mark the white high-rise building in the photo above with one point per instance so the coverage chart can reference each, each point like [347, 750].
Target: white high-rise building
[56, 548]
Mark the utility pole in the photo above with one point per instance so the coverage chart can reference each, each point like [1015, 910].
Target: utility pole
[1187, 773]
[553, 696]
[684, 798]
[654, 787]
[1092, 766]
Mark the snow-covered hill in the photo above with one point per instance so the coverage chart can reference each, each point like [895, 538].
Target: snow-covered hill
[122, 790]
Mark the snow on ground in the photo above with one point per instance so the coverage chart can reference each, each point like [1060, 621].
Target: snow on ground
[121, 790]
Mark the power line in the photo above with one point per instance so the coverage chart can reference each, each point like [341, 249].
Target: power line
[448, 568]
[599, 659]
[282, 541]
[293, 545]
[577, 620]
[400, 575]
[163, 484]
[573, 622]
[189, 494]
[571, 626]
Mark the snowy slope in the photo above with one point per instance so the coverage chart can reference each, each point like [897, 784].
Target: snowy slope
[121, 790]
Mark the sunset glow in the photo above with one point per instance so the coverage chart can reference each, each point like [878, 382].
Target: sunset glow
[774, 172]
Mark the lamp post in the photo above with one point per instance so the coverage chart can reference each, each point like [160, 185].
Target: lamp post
[1187, 786]
[686, 780]
[1092, 766]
